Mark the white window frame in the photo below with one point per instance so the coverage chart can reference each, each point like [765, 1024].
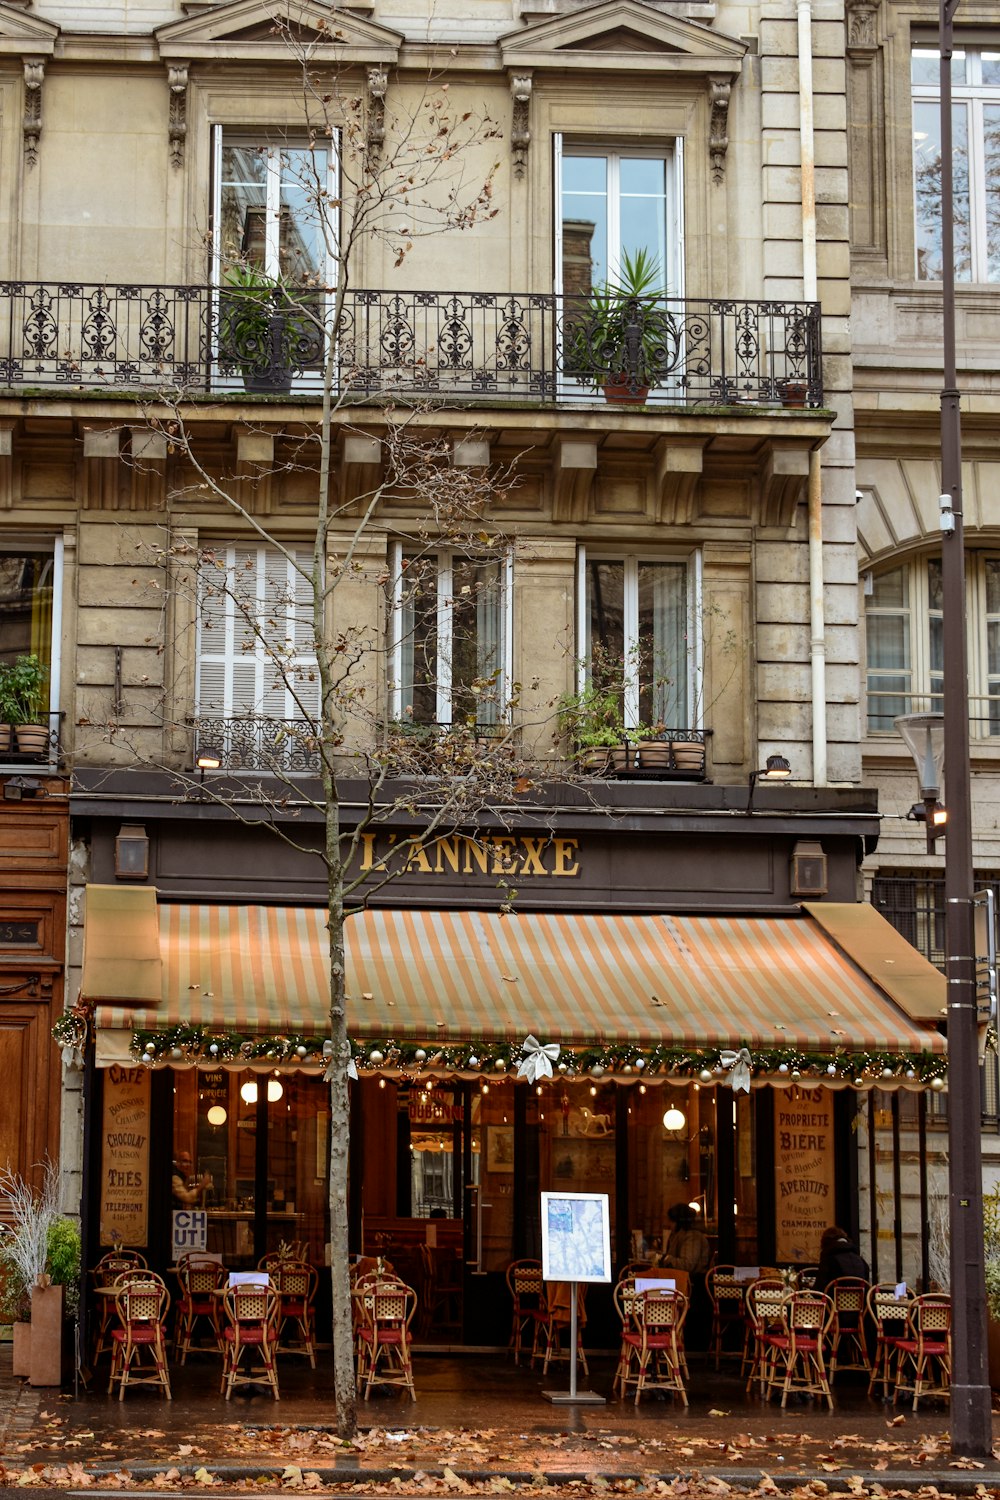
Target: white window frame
[922, 695]
[303, 660]
[972, 96]
[443, 628]
[223, 135]
[695, 653]
[670, 151]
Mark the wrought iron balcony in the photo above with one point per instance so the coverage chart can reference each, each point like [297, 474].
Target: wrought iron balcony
[255, 743]
[31, 744]
[527, 347]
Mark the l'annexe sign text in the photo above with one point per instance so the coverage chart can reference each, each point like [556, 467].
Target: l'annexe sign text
[513, 855]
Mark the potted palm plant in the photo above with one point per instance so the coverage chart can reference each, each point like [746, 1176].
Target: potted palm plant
[622, 339]
[266, 328]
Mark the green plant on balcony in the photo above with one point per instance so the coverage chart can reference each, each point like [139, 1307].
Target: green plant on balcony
[622, 339]
[24, 703]
[268, 327]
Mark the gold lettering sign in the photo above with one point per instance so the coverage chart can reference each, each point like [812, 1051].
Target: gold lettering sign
[125, 1157]
[506, 856]
[803, 1171]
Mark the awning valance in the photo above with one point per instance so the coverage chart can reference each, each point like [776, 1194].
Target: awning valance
[577, 978]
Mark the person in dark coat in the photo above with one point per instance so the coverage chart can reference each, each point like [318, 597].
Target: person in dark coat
[838, 1256]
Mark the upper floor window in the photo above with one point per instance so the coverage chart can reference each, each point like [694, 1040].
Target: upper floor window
[613, 203]
[975, 80]
[905, 643]
[449, 637]
[636, 630]
[30, 627]
[270, 206]
[256, 656]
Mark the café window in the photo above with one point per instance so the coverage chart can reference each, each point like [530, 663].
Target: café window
[636, 628]
[256, 1200]
[975, 82]
[449, 637]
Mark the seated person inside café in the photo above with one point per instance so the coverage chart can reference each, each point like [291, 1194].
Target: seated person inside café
[687, 1248]
[838, 1256]
[186, 1190]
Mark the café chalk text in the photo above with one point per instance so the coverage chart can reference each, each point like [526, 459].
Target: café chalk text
[462, 854]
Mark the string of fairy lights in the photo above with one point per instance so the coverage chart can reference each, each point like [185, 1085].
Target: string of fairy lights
[484, 1057]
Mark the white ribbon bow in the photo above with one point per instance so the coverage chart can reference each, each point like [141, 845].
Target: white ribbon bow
[739, 1065]
[537, 1061]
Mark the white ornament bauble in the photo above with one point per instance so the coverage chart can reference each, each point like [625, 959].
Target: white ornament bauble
[375, 1058]
[937, 1084]
[911, 1073]
[500, 1066]
[473, 1062]
[300, 1052]
[151, 1048]
[627, 1068]
[176, 1054]
[597, 1071]
[640, 1063]
[859, 1082]
[420, 1055]
[796, 1075]
[214, 1049]
[831, 1068]
[705, 1075]
[782, 1067]
[886, 1072]
[562, 1067]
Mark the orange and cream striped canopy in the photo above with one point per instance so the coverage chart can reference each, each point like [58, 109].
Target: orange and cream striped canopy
[580, 978]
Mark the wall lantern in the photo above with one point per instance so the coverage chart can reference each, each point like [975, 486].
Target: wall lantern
[132, 852]
[217, 1115]
[777, 769]
[809, 876]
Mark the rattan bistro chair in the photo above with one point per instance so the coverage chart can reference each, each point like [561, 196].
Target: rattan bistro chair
[524, 1282]
[727, 1296]
[251, 1328]
[295, 1282]
[848, 1340]
[796, 1358]
[658, 1318]
[924, 1352]
[890, 1316]
[201, 1282]
[383, 1335]
[142, 1301]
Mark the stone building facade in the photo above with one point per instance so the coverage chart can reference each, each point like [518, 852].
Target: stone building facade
[749, 147]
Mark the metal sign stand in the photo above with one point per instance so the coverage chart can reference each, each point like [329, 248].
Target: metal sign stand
[573, 1397]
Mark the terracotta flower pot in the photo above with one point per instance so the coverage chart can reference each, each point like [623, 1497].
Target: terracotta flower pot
[623, 392]
[593, 760]
[654, 755]
[33, 739]
[47, 1335]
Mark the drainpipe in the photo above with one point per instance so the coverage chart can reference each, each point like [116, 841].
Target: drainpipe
[817, 620]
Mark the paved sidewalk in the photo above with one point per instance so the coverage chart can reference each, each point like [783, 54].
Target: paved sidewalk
[478, 1416]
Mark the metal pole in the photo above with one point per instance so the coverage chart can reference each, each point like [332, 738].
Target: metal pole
[971, 1428]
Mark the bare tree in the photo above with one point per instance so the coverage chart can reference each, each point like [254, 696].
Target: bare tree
[359, 697]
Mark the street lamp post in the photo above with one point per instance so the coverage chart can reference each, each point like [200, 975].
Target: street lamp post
[971, 1425]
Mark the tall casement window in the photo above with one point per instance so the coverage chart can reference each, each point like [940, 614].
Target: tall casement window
[975, 79]
[613, 201]
[905, 651]
[255, 642]
[266, 206]
[449, 638]
[636, 625]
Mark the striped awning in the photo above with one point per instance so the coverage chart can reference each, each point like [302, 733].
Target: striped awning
[579, 978]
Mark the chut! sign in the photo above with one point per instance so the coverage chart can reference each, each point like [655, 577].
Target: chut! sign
[510, 856]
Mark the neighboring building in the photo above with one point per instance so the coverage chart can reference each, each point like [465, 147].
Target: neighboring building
[710, 530]
[893, 100]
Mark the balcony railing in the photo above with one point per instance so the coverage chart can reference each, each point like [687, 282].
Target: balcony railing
[503, 346]
[285, 746]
